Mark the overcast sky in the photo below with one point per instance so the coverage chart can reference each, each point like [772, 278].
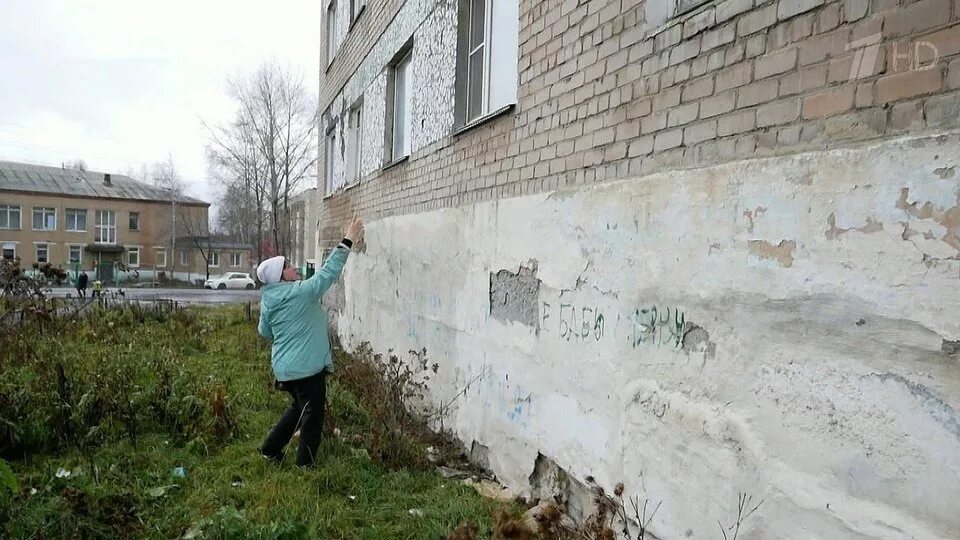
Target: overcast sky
[119, 83]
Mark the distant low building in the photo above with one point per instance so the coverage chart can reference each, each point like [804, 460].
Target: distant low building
[223, 255]
[107, 224]
[305, 229]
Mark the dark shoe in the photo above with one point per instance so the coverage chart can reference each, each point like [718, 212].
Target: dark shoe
[277, 459]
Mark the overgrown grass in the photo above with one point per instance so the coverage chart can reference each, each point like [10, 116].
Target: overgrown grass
[122, 400]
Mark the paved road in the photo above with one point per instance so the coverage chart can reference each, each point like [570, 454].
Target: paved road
[185, 296]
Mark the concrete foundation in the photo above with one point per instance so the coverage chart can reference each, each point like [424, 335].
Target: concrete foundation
[784, 327]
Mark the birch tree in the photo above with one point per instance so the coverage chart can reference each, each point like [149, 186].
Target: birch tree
[267, 151]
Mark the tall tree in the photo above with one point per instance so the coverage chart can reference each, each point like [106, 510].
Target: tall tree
[164, 174]
[269, 149]
[197, 234]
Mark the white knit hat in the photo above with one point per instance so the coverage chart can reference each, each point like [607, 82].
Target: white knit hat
[270, 270]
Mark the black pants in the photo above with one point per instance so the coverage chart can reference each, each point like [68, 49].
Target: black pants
[306, 412]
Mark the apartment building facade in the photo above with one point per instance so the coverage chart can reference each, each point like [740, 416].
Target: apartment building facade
[304, 228]
[108, 225]
[711, 244]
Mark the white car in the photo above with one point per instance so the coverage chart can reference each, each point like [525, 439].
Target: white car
[231, 280]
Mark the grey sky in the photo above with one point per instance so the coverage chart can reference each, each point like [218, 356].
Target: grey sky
[121, 83]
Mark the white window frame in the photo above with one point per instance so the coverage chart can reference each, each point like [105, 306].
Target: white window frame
[9, 210]
[354, 135]
[356, 8]
[398, 140]
[130, 216]
[184, 258]
[484, 59]
[497, 53]
[131, 250]
[8, 245]
[236, 259]
[46, 251]
[109, 227]
[45, 213]
[75, 213]
[214, 258]
[79, 248]
[161, 255]
[332, 45]
[330, 149]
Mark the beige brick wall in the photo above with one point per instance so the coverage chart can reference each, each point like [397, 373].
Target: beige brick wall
[153, 232]
[603, 97]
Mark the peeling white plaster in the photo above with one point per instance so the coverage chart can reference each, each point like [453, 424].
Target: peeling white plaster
[374, 112]
[434, 73]
[432, 24]
[821, 387]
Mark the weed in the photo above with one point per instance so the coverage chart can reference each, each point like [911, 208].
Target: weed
[390, 390]
[99, 415]
[743, 512]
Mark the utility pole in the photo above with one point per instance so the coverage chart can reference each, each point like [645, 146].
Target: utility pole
[173, 234]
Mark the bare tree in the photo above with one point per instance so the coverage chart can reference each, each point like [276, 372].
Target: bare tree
[269, 149]
[234, 161]
[164, 174]
[197, 234]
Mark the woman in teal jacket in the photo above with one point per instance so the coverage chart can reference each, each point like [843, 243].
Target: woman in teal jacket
[291, 315]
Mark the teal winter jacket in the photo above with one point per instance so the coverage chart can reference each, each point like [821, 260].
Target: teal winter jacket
[292, 316]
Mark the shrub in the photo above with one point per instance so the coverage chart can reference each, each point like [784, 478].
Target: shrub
[83, 377]
[390, 391]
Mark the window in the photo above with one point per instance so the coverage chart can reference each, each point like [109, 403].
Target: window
[9, 251]
[487, 58]
[354, 144]
[161, 258]
[134, 224]
[356, 7]
[237, 276]
[658, 12]
[44, 219]
[332, 44]
[330, 152]
[76, 254]
[235, 260]
[43, 253]
[76, 220]
[133, 257]
[214, 258]
[105, 231]
[183, 258]
[9, 216]
[398, 105]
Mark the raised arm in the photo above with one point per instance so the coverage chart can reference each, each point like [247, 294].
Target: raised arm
[319, 283]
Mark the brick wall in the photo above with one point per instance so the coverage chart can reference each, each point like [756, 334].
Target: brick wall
[602, 96]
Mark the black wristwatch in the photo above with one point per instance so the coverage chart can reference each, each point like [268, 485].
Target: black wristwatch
[347, 242]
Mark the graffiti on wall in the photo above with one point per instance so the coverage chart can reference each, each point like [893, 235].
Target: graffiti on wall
[646, 325]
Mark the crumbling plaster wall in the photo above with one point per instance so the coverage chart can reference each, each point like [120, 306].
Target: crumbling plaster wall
[778, 326]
